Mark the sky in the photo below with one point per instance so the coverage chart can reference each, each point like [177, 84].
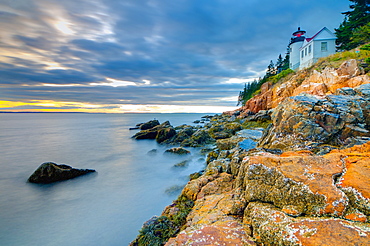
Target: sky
[116, 56]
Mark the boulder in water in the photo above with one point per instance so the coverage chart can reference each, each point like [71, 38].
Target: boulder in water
[50, 172]
[165, 133]
[160, 132]
[152, 152]
[149, 125]
[178, 151]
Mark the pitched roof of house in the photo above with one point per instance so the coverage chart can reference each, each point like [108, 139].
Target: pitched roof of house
[308, 40]
[314, 36]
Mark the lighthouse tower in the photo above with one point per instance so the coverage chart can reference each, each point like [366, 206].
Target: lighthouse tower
[295, 44]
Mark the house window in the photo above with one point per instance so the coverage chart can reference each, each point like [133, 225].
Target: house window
[324, 46]
[302, 53]
[309, 49]
[305, 51]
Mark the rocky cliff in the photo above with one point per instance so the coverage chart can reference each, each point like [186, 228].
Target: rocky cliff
[317, 123]
[310, 81]
[304, 181]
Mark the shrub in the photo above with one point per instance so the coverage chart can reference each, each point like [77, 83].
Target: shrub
[365, 47]
[256, 92]
[276, 78]
[184, 205]
[157, 231]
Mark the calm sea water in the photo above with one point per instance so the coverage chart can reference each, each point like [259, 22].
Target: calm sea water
[106, 208]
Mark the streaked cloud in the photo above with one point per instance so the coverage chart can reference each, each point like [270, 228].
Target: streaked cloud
[119, 54]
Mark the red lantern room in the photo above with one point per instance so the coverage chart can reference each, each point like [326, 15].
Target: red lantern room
[299, 33]
[298, 36]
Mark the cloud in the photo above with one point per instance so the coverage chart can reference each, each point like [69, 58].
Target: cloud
[27, 76]
[39, 42]
[192, 52]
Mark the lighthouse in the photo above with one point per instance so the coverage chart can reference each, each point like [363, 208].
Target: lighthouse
[295, 44]
[304, 52]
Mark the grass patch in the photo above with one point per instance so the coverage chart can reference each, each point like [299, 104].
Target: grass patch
[361, 54]
[276, 78]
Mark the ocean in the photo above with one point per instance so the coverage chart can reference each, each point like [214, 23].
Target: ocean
[103, 208]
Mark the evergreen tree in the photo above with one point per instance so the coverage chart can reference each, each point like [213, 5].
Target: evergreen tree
[279, 64]
[357, 17]
[247, 93]
[361, 35]
[285, 65]
[240, 97]
[271, 71]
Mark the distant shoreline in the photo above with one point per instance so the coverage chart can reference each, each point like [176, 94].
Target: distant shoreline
[29, 112]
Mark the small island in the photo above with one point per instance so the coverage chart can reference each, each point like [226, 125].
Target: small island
[50, 172]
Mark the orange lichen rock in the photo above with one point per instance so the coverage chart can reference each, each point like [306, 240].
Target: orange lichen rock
[216, 207]
[192, 188]
[357, 163]
[357, 175]
[229, 232]
[291, 211]
[355, 182]
[272, 227]
[306, 182]
[220, 185]
[296, 153]
[294, 179]
[329, 232]
[360, 217]
[207, 184]
[331, 191]
[262, 101]
[213, 219]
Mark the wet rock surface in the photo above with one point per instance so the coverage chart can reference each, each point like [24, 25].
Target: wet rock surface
[50, 172]
[148, 125]
[154, 130]
[218, 127]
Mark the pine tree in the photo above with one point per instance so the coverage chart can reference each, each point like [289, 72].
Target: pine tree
[357, 17]
[285, 65]
[361, 35]
[271, 71]
[279, 64]
[240, 97]
[247, 93]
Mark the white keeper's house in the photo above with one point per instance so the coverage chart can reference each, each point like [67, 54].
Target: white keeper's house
[306, 51]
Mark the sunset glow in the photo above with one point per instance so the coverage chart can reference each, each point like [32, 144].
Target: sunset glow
[53, 106]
